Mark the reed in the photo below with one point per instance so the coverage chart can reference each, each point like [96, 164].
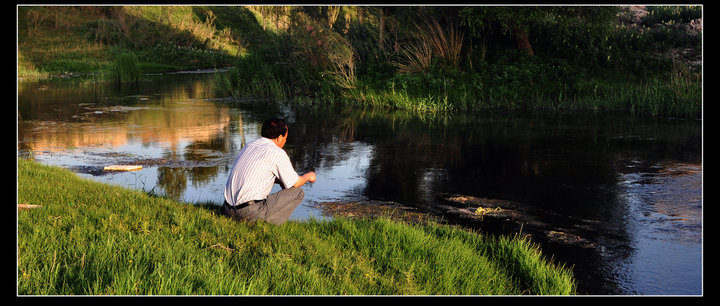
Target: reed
[431, 41]
[125, 69]
[89, 238]
[678, 95]
[253, 77]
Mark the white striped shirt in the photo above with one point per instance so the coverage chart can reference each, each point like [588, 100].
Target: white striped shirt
[257, 166]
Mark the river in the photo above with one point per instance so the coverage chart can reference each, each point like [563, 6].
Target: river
[616, 197]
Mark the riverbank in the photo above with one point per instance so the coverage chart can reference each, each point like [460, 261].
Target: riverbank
[633, 62]
[645, 60]
[88, 238]
[67, 41]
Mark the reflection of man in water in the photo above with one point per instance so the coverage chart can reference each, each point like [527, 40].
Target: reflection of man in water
[260, 164]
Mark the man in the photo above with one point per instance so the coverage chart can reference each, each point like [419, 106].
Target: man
[260, 164]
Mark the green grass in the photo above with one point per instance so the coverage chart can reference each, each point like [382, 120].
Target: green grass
[125, 69]
[433, 69]
[610, 68]
[90, 238]
[82, 39]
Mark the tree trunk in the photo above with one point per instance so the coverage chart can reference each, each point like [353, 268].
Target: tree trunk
[382, 29]
[277, 19]
[523, 40]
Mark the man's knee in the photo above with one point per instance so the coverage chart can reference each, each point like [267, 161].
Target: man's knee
[300, 194]
[295, 193]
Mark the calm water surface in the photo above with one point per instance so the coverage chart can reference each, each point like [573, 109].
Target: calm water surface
[629, 187]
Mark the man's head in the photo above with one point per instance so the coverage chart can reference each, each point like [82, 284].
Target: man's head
[275, 129]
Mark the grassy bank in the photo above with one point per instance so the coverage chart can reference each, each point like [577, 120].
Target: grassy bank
[630, 63]
[81, 40]
[90, 238]
[415, 58]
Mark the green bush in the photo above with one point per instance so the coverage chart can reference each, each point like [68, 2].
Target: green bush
[663, 14]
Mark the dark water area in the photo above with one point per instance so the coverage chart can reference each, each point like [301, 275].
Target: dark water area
[628, 188]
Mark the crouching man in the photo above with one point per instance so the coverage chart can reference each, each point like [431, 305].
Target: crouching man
[260, 164]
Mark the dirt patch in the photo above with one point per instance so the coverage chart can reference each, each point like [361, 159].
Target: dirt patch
[374, 209]
[492, 215]
[479, 208]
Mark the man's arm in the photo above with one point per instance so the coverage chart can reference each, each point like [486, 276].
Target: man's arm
[307, 177]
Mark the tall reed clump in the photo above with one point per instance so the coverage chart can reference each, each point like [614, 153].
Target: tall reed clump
[325, 58]
[427, 72]
[310, 60]
[257, 75]
[125, 69]
[432, 44]
[679, 97]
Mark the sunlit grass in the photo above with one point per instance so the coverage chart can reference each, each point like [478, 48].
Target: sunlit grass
[79, 40]
[286, 62]
[89, 238]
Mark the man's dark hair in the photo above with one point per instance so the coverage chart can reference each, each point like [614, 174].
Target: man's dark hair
[273, 127]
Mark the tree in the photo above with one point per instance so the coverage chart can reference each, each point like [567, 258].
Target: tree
[384, 11]
[518, 20]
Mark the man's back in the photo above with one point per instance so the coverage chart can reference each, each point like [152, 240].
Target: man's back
[255, 171]
[259, 165]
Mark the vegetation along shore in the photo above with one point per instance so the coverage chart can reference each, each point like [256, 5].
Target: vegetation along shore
[642, 59]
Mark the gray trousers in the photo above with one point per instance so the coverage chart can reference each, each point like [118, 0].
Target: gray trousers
[275, 209]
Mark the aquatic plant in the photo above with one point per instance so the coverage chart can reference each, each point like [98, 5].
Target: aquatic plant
[125, 69]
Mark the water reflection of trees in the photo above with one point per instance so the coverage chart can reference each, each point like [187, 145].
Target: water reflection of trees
[172, 182]
[564, 168]
[550, 160]
[402, 142]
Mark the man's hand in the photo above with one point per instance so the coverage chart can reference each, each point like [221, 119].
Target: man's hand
[307, 177]
[310, 177]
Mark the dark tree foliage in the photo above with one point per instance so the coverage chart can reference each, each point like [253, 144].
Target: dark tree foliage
[519, 20]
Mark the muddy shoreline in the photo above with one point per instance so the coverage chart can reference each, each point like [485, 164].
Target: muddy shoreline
[682, 182]
[480, 214]
[124, 159]
[492, 216]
